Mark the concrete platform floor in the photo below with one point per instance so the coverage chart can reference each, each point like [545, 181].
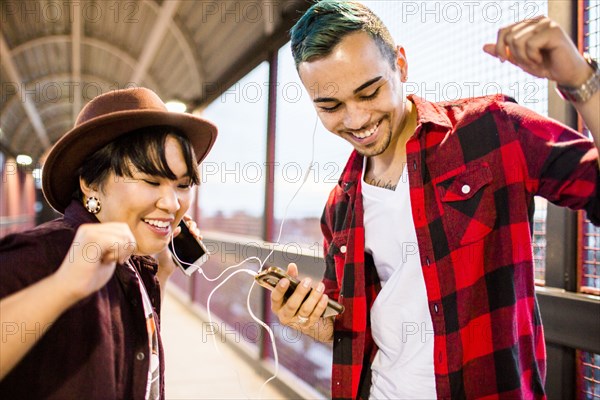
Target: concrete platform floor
[195, 369]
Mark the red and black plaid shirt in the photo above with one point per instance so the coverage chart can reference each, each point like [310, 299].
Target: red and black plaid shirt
[474, 166]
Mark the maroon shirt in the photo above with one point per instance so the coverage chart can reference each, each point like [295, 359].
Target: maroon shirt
[474, 167]
[98, 348]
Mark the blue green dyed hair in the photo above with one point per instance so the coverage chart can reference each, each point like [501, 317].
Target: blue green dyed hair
[327, 22]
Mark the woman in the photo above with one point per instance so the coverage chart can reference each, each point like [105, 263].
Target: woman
[81, 294]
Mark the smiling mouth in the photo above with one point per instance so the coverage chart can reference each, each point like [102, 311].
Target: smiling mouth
[159, 225]
[365, 133]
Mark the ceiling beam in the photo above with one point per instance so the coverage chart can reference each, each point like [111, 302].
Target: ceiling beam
[187, 46]
[86, 41]
[28, 105]
[165, 16]
[21, 129]
[76, 34]
[289, 12]
[271, 18]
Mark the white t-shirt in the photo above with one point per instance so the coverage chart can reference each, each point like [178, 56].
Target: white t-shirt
[400, 319]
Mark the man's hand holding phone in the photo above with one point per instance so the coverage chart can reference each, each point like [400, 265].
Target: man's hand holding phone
[300, 311]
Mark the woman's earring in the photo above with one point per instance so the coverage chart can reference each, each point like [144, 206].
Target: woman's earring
[93, 205]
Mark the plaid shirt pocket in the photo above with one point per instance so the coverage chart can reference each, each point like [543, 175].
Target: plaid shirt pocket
[468, 209]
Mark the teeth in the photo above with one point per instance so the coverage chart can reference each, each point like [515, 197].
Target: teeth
[158, 224]
[366, 133]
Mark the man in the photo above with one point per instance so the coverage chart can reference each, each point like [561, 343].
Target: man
[427, 234]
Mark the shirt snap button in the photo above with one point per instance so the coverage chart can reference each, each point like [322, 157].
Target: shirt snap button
[465, 189]
[435, 308]
[140, 356]
[343, 249]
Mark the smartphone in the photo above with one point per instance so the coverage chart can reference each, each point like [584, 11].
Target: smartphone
[188, 249]
[269, 278]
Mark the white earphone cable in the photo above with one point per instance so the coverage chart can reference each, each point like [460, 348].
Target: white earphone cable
[254, 273]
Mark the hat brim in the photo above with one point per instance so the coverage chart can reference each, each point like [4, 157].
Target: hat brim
[59, 176]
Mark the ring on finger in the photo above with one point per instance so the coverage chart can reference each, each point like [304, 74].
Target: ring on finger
[302, 319]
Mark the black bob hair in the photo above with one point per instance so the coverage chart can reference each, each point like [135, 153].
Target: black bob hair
[143, 149]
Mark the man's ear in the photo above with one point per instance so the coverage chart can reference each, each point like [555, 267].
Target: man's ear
[402, 63]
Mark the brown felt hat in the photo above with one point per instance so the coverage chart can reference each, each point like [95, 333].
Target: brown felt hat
[104, 119]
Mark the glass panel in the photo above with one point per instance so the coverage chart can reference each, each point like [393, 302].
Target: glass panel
[589, 366]
[589, 363]
[448, 63]
[591, 27]
[296, 125]
[539, 240]
[309, 360]
[231, 195]
[590, 268]
[590, 252]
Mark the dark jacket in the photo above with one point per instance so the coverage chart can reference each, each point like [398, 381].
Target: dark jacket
[98, 348]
